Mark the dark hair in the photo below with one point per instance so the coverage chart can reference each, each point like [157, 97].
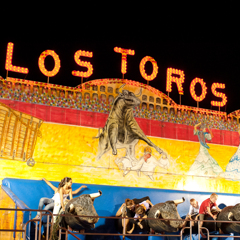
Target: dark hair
[63, 182]
[129, 202]
[140, 210]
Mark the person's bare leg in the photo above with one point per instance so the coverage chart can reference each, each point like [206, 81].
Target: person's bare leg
[200, 225]
[124, 225]
[130, 231]
[220, 231]
[126, 222]
[185, 221]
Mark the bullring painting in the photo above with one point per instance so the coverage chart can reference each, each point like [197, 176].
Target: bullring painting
[123, 138]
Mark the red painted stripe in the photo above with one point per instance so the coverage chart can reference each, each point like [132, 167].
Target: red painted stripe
[95, 119]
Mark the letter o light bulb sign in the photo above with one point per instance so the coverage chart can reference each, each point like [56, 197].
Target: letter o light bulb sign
[41, 63]
[192, 89]
[142, 68]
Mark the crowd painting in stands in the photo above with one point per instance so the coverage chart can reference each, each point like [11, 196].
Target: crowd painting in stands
[152, 156]
[104, 105]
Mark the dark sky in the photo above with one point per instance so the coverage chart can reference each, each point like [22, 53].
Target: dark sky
[200, 39]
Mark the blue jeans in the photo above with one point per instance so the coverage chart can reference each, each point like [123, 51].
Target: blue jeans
[47, 202]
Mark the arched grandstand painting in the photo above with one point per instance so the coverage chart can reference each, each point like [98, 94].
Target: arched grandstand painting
[104, 127]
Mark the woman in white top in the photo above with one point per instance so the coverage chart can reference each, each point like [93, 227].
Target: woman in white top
[61, 193]
[64, 191]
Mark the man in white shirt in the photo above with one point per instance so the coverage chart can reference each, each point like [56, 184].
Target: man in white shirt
[193, 210]
[147, 163]
[194, 207]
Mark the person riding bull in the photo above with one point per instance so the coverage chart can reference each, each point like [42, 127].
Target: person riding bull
[127, 210]
[205, 209]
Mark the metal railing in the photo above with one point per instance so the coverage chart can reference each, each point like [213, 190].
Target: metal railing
[25, 226]
[216, 235]
[61, 230]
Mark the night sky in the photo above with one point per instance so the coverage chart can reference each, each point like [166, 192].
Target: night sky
[203, 41]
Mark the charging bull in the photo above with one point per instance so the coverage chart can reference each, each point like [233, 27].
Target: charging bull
[76, 210]
[121, 129]
[164, 217]
[230, 213]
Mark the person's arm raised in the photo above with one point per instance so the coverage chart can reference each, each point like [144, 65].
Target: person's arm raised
[78, 190]
[50, 185]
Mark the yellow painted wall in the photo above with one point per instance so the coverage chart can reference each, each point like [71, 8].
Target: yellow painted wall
[7, 218]
[66, 150]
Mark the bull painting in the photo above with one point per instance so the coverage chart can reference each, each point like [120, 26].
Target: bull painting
[121, 129]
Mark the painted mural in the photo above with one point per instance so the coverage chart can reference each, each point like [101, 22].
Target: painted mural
[204, 164]
[233, 168]
[167, 147]
[18, 133]
[98, 96]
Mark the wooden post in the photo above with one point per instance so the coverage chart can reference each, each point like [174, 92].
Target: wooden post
[197, 104]
[48, 79]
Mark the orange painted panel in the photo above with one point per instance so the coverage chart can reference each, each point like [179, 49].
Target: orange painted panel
[7, 217]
